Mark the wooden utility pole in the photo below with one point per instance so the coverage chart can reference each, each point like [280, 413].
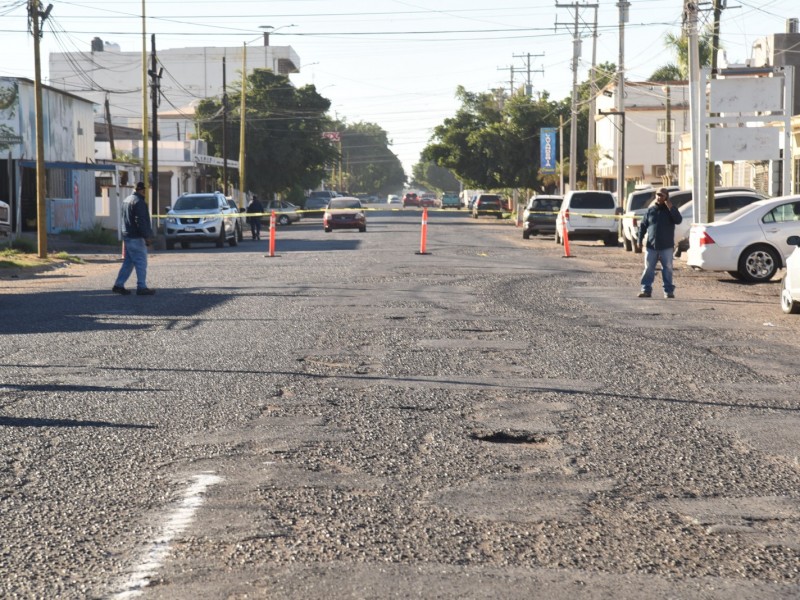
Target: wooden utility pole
[591, 168]
[224, 130]
[145, 145]
[110, 129]
[242, 130]
[41, 205]
[668, 128]
[623, 6]
[155, 91]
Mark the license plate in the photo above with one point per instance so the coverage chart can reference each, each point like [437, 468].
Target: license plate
[188, 229]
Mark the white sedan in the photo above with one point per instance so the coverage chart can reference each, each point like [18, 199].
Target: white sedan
[751, 243]
[790, 288]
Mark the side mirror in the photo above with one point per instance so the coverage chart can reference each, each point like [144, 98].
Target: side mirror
[793, 240]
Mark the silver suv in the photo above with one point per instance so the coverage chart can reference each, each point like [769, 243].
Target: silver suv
[201, 218]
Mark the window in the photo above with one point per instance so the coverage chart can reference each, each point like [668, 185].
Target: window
[661, 132]
[783, 213]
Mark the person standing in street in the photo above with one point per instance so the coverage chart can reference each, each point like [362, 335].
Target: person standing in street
[255, 207]
[137, 231]
[658, 225]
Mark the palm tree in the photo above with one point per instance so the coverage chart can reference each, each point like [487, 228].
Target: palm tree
[680, 46]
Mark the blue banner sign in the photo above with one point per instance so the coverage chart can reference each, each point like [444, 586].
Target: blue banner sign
[548, 150]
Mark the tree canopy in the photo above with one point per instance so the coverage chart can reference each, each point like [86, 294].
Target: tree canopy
[368, 164]
[284, 126]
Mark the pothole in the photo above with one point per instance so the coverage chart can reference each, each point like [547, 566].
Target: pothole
[524, 438]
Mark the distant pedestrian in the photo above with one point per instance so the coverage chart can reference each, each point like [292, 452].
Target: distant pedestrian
[137, 231]
[659, 227]
[256, 208]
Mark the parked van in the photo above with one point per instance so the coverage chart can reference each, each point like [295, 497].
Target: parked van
[5, 218]
[588, 215]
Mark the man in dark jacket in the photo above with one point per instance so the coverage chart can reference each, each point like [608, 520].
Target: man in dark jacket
[659, 226]
[255, 208]
[136, 234]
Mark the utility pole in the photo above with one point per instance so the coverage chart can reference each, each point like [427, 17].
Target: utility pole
[712, 172]
[576, 53]
[110, 129]
[224, 131]
[668, 128]
[510, 78]
[145, 145]
[591, 169]
[561, 154]
[528, 70]
[34, 15]
[155, 94]
[242, 153]
[621, 187]
[696, 105]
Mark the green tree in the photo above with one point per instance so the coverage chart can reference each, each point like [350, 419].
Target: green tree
[369, 165]
[284, 127]
[679, 44]
[431, 176]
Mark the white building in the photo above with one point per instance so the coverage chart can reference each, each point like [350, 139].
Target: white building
[645, 126]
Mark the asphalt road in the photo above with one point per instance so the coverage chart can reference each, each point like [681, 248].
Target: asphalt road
[350, 419]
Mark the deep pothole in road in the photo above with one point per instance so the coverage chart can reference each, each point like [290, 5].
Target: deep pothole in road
[524, 438]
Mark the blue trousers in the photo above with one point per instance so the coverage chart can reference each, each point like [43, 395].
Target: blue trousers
[652, 257]
[135, 258]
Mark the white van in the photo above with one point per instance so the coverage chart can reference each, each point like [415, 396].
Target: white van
[5, 218]
[588, 215]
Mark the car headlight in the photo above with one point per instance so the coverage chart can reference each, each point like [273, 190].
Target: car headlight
[172, 221]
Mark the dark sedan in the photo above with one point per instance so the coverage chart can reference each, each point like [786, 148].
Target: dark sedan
[344, 213]
[540, 215]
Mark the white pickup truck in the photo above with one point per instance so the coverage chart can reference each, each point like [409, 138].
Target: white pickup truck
[5, 218]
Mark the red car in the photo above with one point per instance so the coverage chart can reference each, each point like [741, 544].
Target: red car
[344, 213]
[410, 199]
[428, 200]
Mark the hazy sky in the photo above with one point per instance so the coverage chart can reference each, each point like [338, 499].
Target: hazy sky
[392, 62]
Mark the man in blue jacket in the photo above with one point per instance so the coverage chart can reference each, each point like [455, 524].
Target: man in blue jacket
[659, 226]
[136, 234]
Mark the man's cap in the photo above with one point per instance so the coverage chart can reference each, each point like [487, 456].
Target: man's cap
[140, 185]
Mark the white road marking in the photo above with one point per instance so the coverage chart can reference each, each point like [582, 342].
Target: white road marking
[175, 524]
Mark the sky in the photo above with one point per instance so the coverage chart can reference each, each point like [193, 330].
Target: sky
[396, 63]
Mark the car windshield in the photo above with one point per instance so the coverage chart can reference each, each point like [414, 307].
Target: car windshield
[642, 199]
[595, 200]
[344, 203]
[546, 205]
[196, 203]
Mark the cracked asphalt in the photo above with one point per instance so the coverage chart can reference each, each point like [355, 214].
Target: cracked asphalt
[487, 420]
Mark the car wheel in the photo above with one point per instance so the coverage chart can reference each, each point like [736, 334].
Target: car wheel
[328, 230]
[239, 233]
[788, 304]
[627, 244]
[526, 235]
[185, 245]
[362, 229]
[221, 239]
[284, 220]
[234, 241]
[170, 245]
[611, 240]
[758, 264]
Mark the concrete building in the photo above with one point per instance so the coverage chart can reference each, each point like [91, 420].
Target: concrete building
[645, 126]
[189, 75]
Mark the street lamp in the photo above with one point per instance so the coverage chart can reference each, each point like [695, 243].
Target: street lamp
[272, 30]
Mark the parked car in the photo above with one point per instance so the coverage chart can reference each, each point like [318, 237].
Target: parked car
[200, 218]
[790, 286]
[5, 218]
[393, 199]
[285, 212]
[724, 204]
[240, 220]
[588, 215]
[324, 194]
[751, 243]
[451, 200]
[315, 206]
[410, 199]
[344, 213]
[539, 215]
[487, 204]
[428, 200]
